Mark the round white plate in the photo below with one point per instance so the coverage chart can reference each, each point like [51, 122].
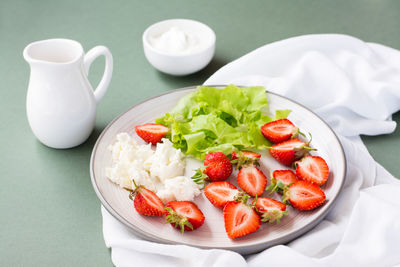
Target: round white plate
[212, 233]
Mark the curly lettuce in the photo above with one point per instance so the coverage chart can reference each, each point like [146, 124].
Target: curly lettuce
[212, 119]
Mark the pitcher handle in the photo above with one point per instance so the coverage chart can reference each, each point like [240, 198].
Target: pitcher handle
[90, 56]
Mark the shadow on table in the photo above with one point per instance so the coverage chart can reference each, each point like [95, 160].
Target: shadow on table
[78, 156]
[197, 78]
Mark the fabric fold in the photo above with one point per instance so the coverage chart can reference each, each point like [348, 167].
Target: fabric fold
[355, 87]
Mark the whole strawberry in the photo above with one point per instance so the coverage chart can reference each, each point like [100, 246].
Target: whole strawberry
[218, 170]
[217, 167]
[214, 156]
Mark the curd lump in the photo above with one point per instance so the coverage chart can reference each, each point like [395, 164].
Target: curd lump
[161, 171]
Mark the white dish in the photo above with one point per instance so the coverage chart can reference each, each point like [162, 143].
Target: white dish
[180, 64]
[212, 234]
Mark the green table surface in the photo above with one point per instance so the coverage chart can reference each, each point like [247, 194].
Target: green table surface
[50, 215]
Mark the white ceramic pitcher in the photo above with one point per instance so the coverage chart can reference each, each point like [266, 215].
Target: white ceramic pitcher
[61, 104]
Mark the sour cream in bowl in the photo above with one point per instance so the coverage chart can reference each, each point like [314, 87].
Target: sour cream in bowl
[179, 46]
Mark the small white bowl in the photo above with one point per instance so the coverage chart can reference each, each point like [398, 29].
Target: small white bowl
[180, 64]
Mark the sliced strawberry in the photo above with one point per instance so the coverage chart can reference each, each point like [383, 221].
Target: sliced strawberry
[304, 195]
[151, 132]
[312, 169]
[280, 179]
[184, 214]
[240, 219]
[279, 130]
[220, 193]
[270, 209]
[248, 154]
[289, 151]
[252, 180]
[146, 202]
[242, 158]
[214, 156]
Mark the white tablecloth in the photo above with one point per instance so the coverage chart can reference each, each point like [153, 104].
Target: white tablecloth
[355, 87]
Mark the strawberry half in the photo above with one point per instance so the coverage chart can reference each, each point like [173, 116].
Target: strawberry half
[240, 219]
[279, 130]
[151, 132]
[270, 209]
[184, 214]
[304, 195]
[252, 180]
[146, 202]
[242, 158]
[312, 169]
[220, 193]
[289, 151]
[280, 179]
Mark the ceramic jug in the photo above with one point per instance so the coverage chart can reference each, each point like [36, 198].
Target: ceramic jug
[61, 104]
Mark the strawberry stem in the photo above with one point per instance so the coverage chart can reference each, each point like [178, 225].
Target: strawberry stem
[133, 192]
[239, 196]
[286, 195]
[243, 160]
[273, 216]
[199, 177]
[134, 183]
[177, 219]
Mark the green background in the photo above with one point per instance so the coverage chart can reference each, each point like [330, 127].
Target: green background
[50, 215]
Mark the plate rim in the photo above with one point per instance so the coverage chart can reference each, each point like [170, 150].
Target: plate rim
[243, 249]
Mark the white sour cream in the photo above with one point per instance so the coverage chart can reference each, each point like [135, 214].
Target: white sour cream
[175, 41]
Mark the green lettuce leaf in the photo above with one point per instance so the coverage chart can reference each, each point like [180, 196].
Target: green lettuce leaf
[211, 119]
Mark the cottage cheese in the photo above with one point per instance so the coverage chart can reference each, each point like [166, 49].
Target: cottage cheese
[161, 170]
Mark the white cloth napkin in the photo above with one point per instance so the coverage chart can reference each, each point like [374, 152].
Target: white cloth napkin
[355, 87]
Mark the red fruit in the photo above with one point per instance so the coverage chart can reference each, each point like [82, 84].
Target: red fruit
[214, 156]
[312, 169]
[218, 170]
[248, 154]
[252, 180]
[280, 179]
[184, 214]
[242, 158]
[220, 193]
[147, 202]
[289, 151]
[279, 130]
[240, 219]
[270, 209]
[304, 195]
[151, 132]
